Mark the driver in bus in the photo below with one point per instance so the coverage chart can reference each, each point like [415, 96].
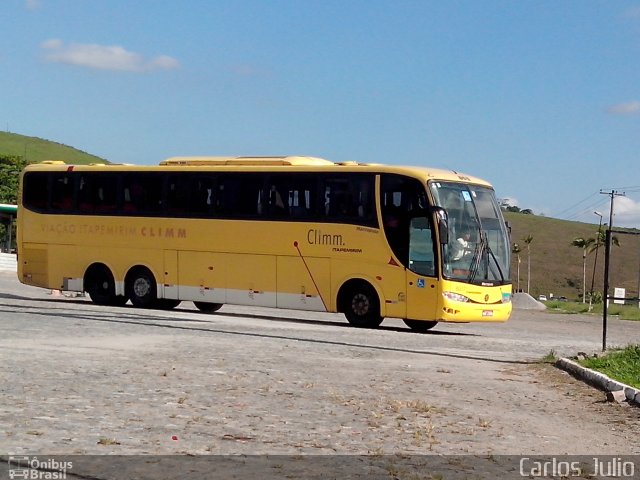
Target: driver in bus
[462, 246]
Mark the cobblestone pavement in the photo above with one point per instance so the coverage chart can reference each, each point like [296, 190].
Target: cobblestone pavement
[83, 379]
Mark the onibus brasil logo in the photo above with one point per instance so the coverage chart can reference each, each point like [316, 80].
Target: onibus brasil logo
[25, 467]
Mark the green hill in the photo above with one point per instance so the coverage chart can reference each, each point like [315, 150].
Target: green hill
[36, 149]
[556, 265]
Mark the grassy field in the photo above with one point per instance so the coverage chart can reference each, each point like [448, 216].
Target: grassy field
[622, 365]
[624, 312]
[556, 265]
[37, 149]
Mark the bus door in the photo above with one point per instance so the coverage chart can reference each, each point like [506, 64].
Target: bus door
[422, 287]
[404, 208]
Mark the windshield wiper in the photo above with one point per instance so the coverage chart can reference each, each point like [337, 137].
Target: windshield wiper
[496, 262]
[481, 248]
[477, 257]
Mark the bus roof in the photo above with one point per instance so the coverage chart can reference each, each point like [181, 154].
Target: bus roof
[277, 163]
[246, 161]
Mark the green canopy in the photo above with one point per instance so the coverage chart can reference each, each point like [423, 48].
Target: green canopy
[8, 209]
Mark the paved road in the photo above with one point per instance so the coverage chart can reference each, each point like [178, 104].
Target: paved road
[82, 379]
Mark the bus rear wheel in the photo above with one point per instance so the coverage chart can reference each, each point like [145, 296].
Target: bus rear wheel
[141, 288]
[207, 307]
[420, 325]
[166, 303]
[101, 287]
[361, 306]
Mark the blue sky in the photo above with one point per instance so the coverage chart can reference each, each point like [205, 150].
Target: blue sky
[541, 98]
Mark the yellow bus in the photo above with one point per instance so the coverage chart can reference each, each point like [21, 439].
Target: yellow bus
[371, 241]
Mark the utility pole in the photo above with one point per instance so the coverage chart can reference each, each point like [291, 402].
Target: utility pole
[607, 254]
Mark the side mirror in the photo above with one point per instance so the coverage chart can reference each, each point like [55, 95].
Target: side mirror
[442, 220]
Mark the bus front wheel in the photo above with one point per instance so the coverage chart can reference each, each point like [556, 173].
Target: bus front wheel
[141, 288]
[207, 307]
[420, 325]
[361, 306]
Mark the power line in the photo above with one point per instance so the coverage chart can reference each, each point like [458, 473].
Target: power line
[633, 187]
[568, 209]
[597, 205]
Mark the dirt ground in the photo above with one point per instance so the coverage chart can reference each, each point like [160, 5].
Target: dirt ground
[80, 379]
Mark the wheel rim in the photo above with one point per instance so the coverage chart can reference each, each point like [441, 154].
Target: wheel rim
[141, 287]
[360, 304]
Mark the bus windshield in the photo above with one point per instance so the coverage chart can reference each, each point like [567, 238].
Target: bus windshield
[478, 248]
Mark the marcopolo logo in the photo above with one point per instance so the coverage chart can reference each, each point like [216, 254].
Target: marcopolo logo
[24, 467]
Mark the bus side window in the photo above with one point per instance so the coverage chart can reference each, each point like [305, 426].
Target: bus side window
[97, 193]
[421, 248]
[300, 203]
[201, 194]
[338, 199]
[401, 198]
[107, 193]
[349, 198]
[84, 197]
[178, 194]
[291, 195]
[239, 196]
[36, 189]
[276, 204]
[142, 193]
[62, 192]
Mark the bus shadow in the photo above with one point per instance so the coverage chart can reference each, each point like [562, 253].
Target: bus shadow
[344, 324]
[273, 318]
[152, 321]
[127, 311]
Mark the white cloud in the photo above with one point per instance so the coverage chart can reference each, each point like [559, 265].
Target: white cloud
[626, 212]
[628, 108]
[104, 57]
[510, 201]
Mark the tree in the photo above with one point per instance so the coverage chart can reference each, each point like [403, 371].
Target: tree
[527, 240]
[584, 244]
[589, 245]
[10, 168]
[516, 249]
[601, 238]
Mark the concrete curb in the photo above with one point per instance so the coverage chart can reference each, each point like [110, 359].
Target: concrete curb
[599, 380]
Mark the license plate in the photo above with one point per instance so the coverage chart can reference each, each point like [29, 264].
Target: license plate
[487, 313]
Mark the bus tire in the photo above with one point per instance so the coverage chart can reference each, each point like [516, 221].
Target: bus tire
[167, 303]
[360, 304]
[119, 301]
[141, 288]
[207, 307]
[100, 285]
[420, 325]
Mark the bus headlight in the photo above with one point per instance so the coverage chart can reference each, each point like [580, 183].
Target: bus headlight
[456, 297]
